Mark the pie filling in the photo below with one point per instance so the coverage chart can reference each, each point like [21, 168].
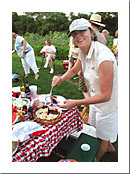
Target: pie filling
[53, 99]
[47, 113]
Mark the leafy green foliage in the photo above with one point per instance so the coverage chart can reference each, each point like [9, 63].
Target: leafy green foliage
[110, 42]
[44, 22]
[59, 39]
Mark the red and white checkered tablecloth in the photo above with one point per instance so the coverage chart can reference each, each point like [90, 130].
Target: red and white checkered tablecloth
[42, 145]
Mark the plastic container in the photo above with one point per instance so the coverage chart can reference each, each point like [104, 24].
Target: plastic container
[65, 64]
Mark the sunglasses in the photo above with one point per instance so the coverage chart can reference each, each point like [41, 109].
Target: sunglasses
[74, 33]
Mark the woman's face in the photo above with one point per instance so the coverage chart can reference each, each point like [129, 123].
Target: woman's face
[46, 42]
[83, 39]
[13, 38]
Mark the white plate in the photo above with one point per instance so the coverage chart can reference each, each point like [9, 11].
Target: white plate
[59, 99]
[41, 98]
[13, 99]
[20, 102]
[46, 98]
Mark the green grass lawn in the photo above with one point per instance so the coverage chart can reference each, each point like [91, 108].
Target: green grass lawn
[66, 89]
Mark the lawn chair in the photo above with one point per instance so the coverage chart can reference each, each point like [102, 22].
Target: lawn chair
[76, 152]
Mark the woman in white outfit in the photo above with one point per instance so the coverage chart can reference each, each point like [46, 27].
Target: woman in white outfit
[26, 53]
[99, 68]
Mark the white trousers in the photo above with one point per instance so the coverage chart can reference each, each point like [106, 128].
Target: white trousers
[29, 62]
[49, 57]
[106, 125]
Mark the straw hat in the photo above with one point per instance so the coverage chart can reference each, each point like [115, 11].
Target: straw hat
[96, 19]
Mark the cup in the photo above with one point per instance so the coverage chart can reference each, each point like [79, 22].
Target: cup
[16, 92]
[85, 148]
[33, 89]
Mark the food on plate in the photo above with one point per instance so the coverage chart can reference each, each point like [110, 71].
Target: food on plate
[15, 118]
[17, 114]
[15, 145]
[20, 102]
[47, 114]
[53, 99]
[37, 103]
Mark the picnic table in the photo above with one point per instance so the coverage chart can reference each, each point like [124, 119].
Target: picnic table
[43, 144]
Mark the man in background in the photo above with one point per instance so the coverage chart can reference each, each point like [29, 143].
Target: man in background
[105, 33]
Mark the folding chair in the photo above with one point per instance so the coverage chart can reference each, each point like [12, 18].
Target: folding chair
[42, 62]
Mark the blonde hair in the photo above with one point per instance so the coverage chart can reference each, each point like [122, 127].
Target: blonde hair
[94, 36]
[14, 35]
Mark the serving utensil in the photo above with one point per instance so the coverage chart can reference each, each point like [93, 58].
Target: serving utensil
[53, 100]
[51, 91]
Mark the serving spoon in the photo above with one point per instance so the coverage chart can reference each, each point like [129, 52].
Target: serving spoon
[51, 91]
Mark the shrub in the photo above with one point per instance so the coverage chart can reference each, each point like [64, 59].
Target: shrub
[110, 42]
[62, 52]
[59, 39]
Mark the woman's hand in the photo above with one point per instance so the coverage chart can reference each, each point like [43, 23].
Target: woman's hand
[80, 74]
[24, 45]
[56, 80]
[68, 104]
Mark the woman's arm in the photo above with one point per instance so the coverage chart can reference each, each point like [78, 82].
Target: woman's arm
[68, 75]
[42, 50]
[106, 85]
[24, 45]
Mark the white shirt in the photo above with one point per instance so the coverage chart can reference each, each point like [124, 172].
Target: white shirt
[19, 46]
[98, 53]
[50, 49]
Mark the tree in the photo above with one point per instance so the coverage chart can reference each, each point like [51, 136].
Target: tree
[50, 21]
[22, 24]
[44, 22]
[15, 18]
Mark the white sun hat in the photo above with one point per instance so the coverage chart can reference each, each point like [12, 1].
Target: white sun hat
[79, 24]
[96, 19]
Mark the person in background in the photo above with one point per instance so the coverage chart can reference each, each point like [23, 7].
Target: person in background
[73, 53]
[115, 45]
[100, 72]
[50, 52]
[105, 33]
[95, 21]
[26, 53]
